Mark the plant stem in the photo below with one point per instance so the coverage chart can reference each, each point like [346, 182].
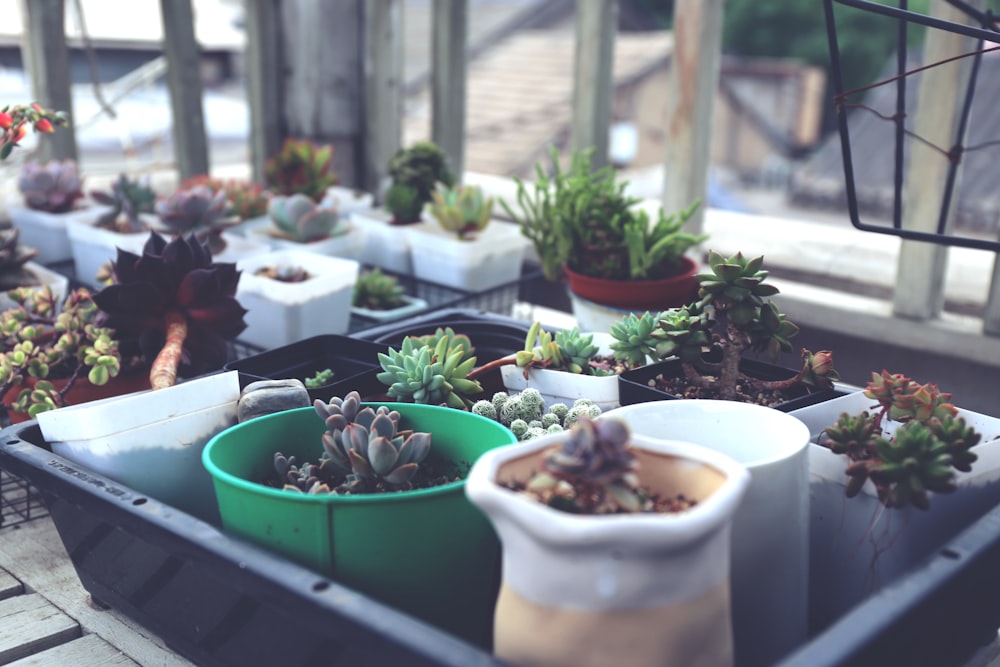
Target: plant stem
[163, 372]
[486, 368]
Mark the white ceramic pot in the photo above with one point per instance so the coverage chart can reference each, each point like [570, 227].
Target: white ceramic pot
[151, 441]
[563, 387]
[492, 259]
[413, 305]
[623, 590]
[239, 247]
[386, 245]
[347, 200]
[57, 282]
[46, 232]
[279, 313]
[857, 545]
[770, 545]
[94, 246]
[349, 245]
[592, 316]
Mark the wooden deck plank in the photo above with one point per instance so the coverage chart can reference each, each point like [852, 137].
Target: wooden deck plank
[88, 650]
[30, 624]
[9, 586]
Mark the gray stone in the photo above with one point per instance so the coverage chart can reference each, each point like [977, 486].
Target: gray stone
[266, 397]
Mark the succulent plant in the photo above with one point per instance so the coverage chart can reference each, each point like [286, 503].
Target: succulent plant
[461, 209]
[247, 200]
[419, 373]
[320, 378]
[173, 306]
[128, 199]
[455, 339]
[525, 414]
[54, 187]
[375, 290]
[13, 258]
[14, 122]
[633, 341]
[920, 456]
[301, 167]
[568, 350]
[198, 210]
[45, 340]
[415, 172]
[299, 218]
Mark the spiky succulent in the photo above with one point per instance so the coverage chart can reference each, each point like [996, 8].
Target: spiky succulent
[128, 200]
[301, 167]
[13, 258]
[247, 200]
[415, 172]
[567, 350]
[299, 218]
[525, 414]
[455, 339]
[633, 340]
[173, 306]
[461, 209]
[418, 373]
[54, 187]
[375, 290]
[920, 456]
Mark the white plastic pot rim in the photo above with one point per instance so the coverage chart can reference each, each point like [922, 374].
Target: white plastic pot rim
[329, 275]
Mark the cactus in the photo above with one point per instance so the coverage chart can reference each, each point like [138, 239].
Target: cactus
[128, 199]
[415, 172]
[528, 408]
[461, 210]
[55, 187]
[298, 218]
[13, 258]
[301, 167]
[929, 444]
[418, 373]
[198, 210]
[375, 290]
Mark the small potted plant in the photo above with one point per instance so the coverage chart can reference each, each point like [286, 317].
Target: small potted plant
[248, 201]
[18, 268]
[432, 370]
[600, 531]
[460, 246]
[301, 167]
[354, 489]
[528, 416]
[208, 214]
[705, 345]
[379, 296]
[298, 222]
[51, 194]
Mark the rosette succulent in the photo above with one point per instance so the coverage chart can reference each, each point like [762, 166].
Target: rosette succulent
[198, 210]
[419, 373]
[299, 218]
[247, 200]
[173, 306]
[375, 290]
[128, 199]
[54, 187]
[301, 167]
[461, 209]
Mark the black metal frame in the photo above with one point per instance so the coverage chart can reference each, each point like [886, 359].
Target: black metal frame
[906, 16]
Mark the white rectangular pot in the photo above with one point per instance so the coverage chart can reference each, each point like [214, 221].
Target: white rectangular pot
[94, 246]
[279, 313]
[413, 305]
[386, 245]
[46, 232]
[491, 259]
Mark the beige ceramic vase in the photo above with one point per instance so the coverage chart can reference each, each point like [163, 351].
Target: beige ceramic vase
[623, 590]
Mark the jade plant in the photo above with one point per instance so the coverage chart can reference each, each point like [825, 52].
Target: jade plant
[526, 415]
[415, 172]
[247, 199]
[910, 445]
[301, 167]
[582, 218]
[436, 374]
[364, 451]
[298, 218]
[375, 290]
[13, 260]
[461, 209]
[197, 210]
[128, 199]
[54, 187]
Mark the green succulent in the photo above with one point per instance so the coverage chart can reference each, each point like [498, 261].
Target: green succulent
[633, 341]
[462, 210]
[301, 167]
[527, 408]
[128, 200]
[566, 350]
[419, 373]
[375, 290]
[415, 172]
[454, 340]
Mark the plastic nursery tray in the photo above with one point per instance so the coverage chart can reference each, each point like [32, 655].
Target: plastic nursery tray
[215, 599]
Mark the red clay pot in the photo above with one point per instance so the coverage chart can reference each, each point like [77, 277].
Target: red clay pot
[83, 391]
[678, 290]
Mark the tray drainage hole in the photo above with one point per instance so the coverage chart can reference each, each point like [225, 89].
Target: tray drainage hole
[951, 553]
[321, 586]
[139, 501]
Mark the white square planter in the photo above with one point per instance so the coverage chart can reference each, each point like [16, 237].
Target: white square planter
[857, 545]
[386, 245]
[348, 200]
[57, 282]
[413, 305]
[279, 313]
[492, 259]
[239, 247]
[46, 232]
[93, 246]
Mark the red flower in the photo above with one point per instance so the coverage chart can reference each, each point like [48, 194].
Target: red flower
[44, 126]
[6, 122]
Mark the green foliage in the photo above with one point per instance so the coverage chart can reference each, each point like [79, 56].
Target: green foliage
[568, 350]
[319, 379]
[128, 199]
[301, 167]
[419, 373]
[54, 187]
[462, 210]
[415, 172]
[375, 290]
[525, 414]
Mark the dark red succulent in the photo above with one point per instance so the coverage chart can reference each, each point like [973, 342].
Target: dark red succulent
[174, 306]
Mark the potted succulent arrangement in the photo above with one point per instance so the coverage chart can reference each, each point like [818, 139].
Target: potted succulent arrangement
[125, 222]
[704, 346]
[298, 222]
[300, 167]
[615, 548]
[460, 246]
[18, 268]
[208, 214]
[248, 201]
[528, 416]
[379, 296]
[897, 470]
[615, 259]
[369, 493]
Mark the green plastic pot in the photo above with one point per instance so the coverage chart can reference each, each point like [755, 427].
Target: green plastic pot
[427, 552]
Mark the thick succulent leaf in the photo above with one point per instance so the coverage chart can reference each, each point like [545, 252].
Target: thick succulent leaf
[383, 426]
[415, 448]
[402, 474]
[359, 465]
[382, 455]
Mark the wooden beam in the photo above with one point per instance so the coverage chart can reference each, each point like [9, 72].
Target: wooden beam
[449, 38]
[383, 90]
[47, 62]
[693, 86]
[921, 266]
[184, 83]
[265, 78]
[593, 85]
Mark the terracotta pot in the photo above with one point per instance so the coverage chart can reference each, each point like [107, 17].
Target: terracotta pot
[83, 391]
[678, 290]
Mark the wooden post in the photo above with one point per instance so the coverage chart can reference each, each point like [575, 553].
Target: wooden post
[991, 314]
[184, 82]
[694, 84]
[593, 85]
[46, 59]
[921, 266]
[383, 90]
[264, 82]
[448, 44]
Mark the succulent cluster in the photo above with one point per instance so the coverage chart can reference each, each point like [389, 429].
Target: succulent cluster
[567, 350]
[247, 200]
[909, 447]
[197, 210]
[54, 187]
[128, 199]
[299, 218]
[375, 290]
[525, 414]
[435, 375]
[14, 122]
[13, 258]
[364, 451]
[415, 172]
[301, 167]
[461, 209]
[43, 339]
[633, 339]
